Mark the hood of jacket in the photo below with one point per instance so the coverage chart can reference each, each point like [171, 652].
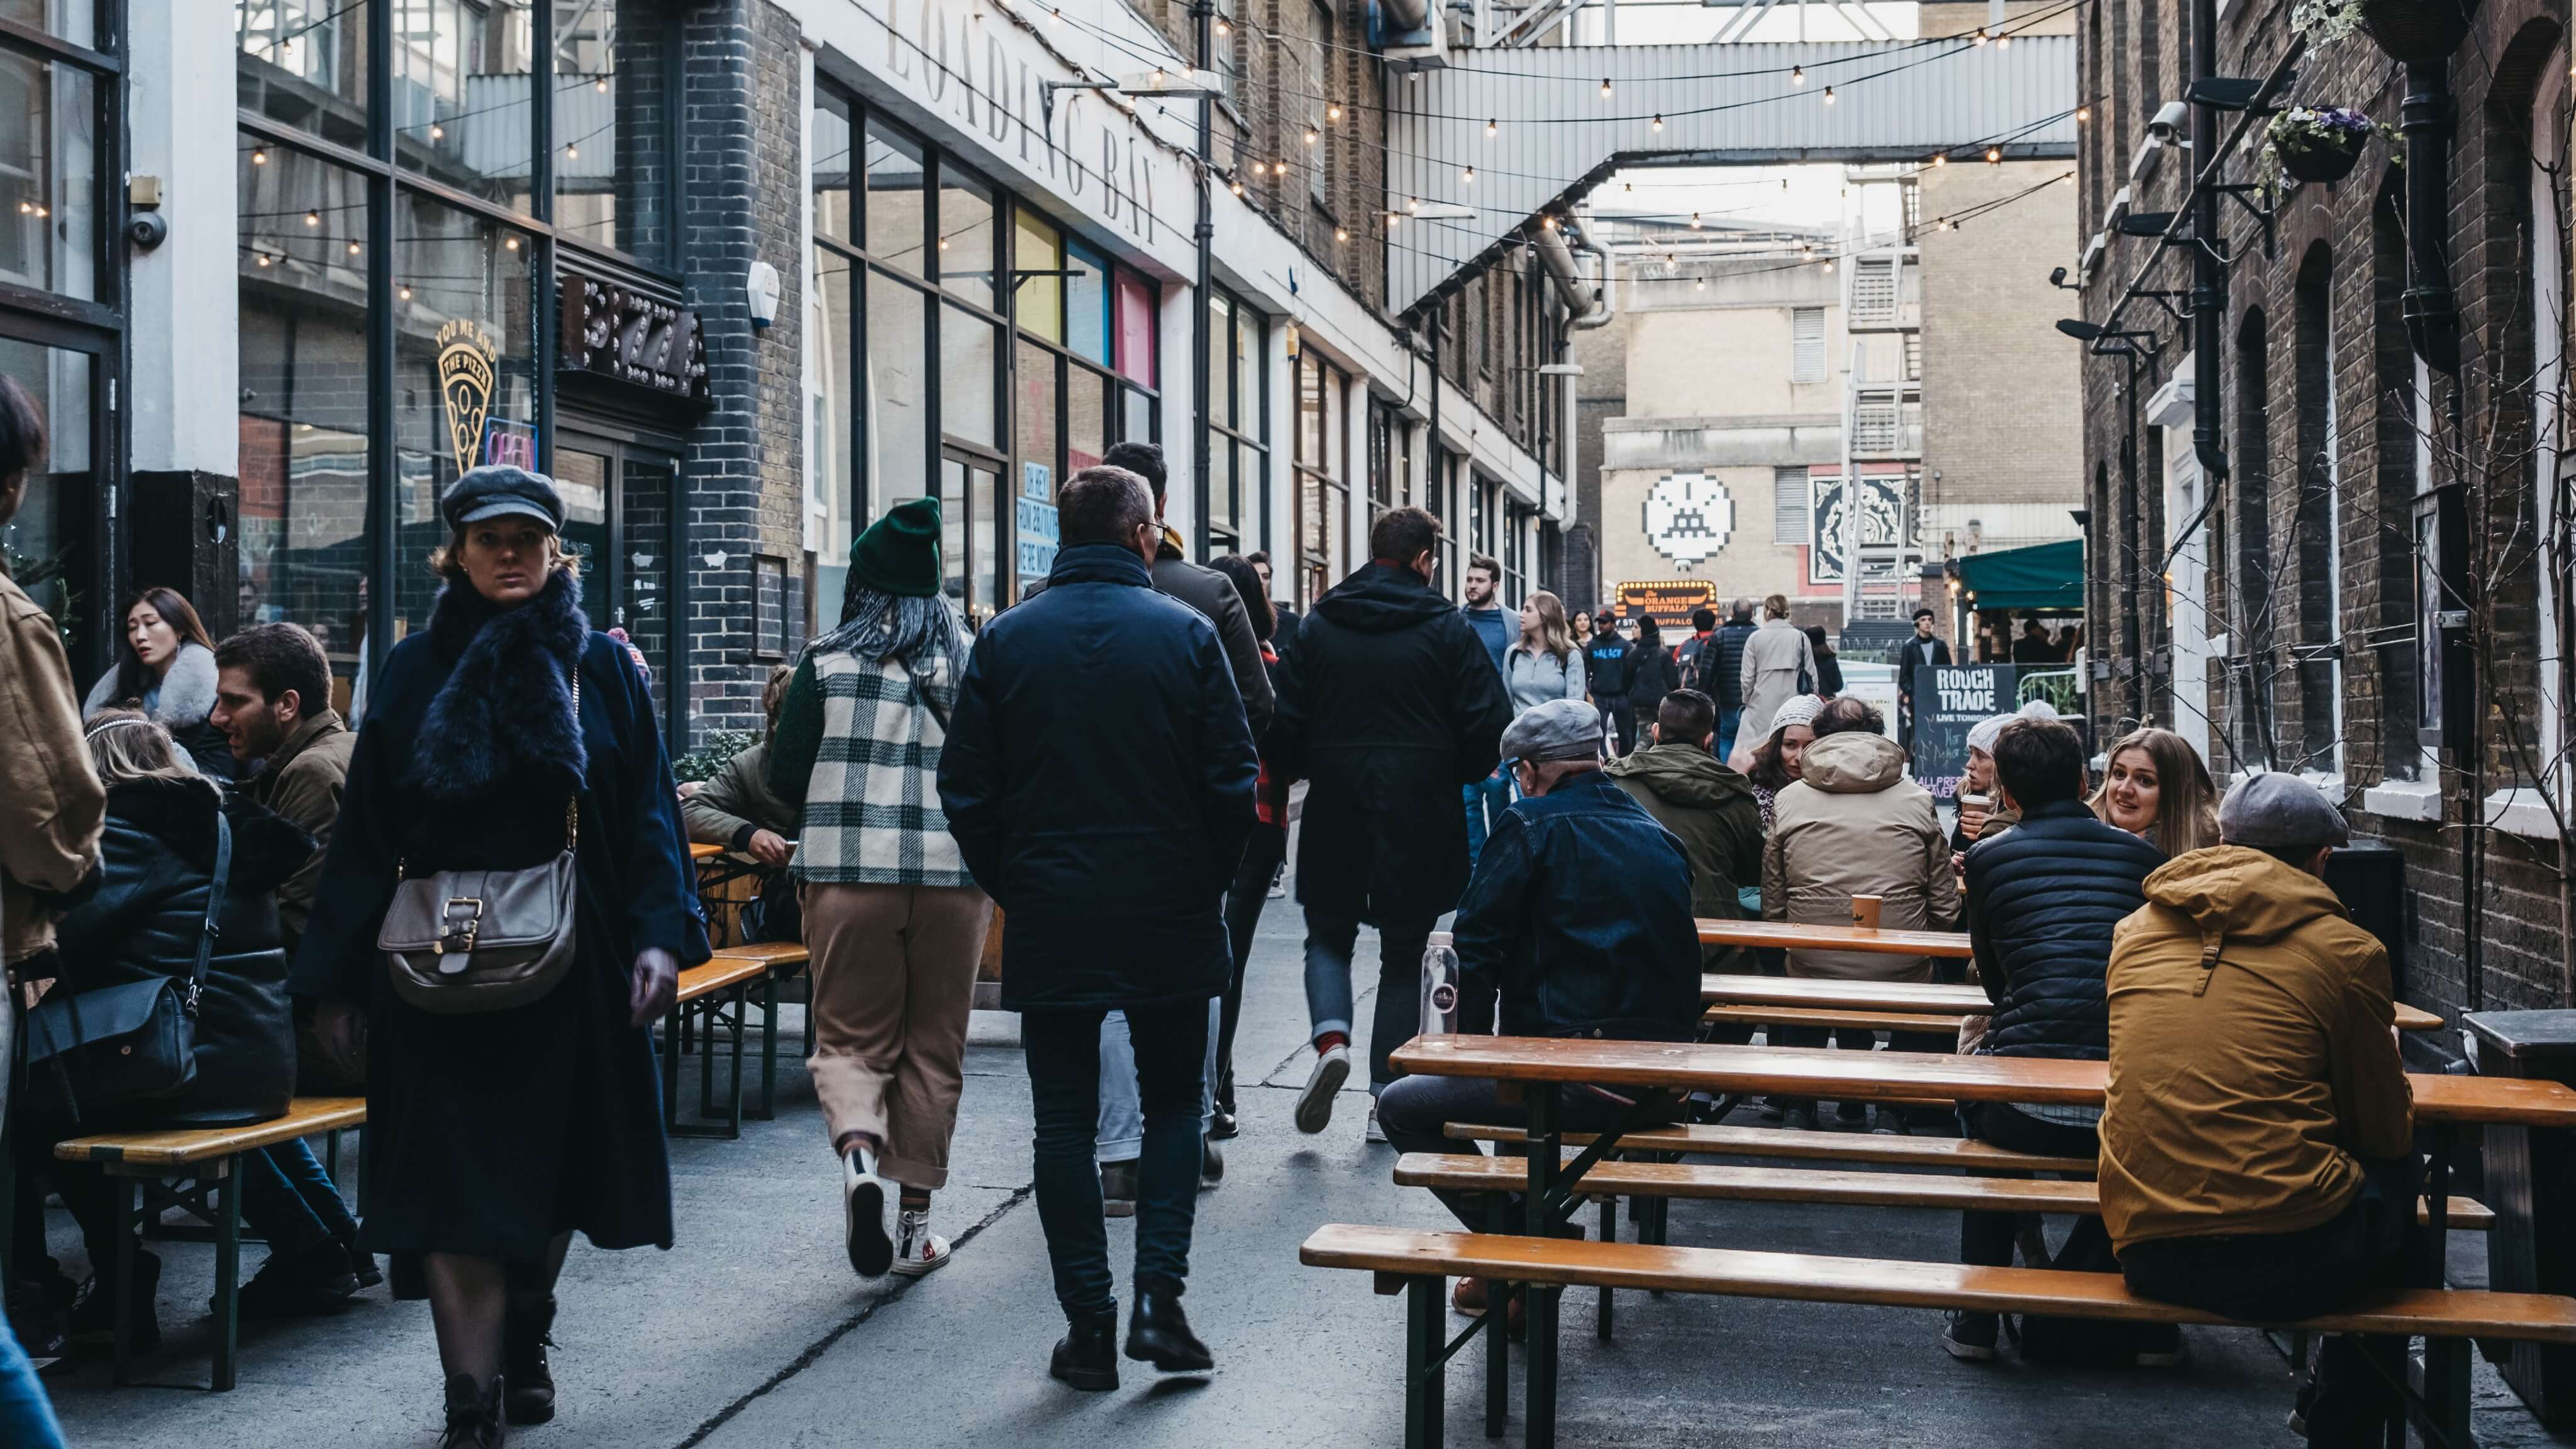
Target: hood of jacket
[181, 815]
[187, 691]
[2234, 891]
[1684, 775]
[1381, 598]
[1853, 764]
[1099, 563]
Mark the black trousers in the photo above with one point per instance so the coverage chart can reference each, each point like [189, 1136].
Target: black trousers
[1986, 1239]
[2373, 1246]
[1621, 716]
[1414, 1112]
[1243, 902]
[1063, 1051]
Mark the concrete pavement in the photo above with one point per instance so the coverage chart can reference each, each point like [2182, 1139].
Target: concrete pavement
[751, 1331]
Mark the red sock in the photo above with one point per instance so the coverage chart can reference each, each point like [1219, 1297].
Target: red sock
[1330, 1040]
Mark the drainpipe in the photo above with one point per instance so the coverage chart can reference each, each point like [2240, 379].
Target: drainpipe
[2208, 264]
[2432, 319]
[1202, 451]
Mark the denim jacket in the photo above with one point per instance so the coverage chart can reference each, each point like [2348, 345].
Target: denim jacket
[1580, 913]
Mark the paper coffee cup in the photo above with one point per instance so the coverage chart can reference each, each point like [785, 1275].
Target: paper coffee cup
[1865, 912]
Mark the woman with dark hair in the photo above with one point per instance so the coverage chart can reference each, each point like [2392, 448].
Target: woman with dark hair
[895, 922]
[1777, 761]
[165, 667]
[1829, 670]
[1261, 857]
[502, 736]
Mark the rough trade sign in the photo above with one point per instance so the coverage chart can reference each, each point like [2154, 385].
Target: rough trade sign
[1949, 701]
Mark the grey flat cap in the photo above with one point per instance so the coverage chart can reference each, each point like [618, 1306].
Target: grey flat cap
[1561, 729]
[2280, 812]
[497, 489]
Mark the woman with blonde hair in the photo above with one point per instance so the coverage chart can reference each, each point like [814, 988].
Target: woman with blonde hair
[1542, 664]
[2155, 787]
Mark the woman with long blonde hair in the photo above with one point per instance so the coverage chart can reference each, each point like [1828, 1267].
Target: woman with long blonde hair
[2155, 787]
[1542, 664]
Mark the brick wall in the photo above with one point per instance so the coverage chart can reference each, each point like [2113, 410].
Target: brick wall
[741, 125]
[2311, 539]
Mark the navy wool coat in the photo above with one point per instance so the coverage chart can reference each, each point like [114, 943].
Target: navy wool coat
[490, 1132]
[1098, 776]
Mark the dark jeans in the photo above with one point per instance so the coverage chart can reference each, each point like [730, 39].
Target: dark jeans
[1063, 1051]
[1986, 1239]
[1621, 716]
[1847, 1039]
[1397, 1018]
[2373, 1246]
[1415, 1111]
[289, 1200]
[1727, 719]
[1243, 902]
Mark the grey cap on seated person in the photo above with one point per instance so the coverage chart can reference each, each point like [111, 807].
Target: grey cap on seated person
[2274, 811]
[1561, 729]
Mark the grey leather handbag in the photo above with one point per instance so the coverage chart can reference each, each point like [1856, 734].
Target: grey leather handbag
[464, 941]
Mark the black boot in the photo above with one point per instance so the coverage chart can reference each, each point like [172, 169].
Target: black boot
[1158, 1332]
[526, 1333]
[94, 1320]
[1087, 1356]
[473, 1414]
[362, 1264]
[293, 1285]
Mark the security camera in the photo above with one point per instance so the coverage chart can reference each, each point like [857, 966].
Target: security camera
[147, 230]
[2166, 128]
[2057, 276]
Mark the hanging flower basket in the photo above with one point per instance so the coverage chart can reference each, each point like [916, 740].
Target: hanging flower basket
[2313, 143]
[2319, 159]
[2417, 30]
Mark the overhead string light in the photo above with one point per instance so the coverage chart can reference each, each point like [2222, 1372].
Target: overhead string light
[2083, 115]
[1829, 95]
[1605, 88]
[1694, 221]
[259, 155]
[1310, 135]
[1659, 124]
[1489, 128]
[1797, 75]
[1468, 176]
[1994, 155]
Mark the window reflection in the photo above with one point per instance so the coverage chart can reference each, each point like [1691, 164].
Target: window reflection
[46, 547]
[303, 63]
[48, 176]
[460, 95]
[611, 159]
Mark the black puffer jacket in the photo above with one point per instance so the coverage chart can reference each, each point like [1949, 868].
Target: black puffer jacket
[1388, 705]
[1721, 664]
[139, 915]
[2043, 898]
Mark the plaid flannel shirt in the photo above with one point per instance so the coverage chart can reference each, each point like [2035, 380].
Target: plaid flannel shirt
[872, 812]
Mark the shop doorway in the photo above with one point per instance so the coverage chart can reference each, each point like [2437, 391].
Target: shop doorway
[621, 515]
[51, 547]
[970, 542]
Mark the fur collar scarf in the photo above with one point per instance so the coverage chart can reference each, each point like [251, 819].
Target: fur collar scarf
[187, 692]
[504, 715]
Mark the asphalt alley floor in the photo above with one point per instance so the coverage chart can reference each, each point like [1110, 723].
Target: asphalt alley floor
[751, 1333]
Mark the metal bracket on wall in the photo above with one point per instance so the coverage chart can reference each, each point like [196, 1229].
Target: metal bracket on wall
[2249, 198]
[2177, 305]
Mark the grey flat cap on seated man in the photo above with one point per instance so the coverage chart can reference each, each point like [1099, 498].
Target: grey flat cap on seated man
[1561, 729]
[2278, 812]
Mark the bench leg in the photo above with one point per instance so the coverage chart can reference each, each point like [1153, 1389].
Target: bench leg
[741, 1020]
[1609, 1234]
[1426, 1380]
[2446, 1392]
[1540, 1430]
[671, 1069]
[227, 1275]
[768, 1050]
[129, 1192]
[1498, 1336]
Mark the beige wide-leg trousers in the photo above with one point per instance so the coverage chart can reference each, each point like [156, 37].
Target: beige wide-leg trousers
[893, 981]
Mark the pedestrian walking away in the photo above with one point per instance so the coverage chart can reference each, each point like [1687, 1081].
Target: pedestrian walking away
[1099, 777]
[1721, 674]
[893, 921]
[1652, 675]
[1778, 663]
[1389, 705]
[502, 734]
[1250, 890]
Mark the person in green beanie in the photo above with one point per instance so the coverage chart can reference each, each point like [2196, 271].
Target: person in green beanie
[894, 921]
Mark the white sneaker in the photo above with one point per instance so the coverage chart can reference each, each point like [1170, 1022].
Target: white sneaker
[917, 1249]
[863, 1196]
[1375, 1132]
[1315, 1103]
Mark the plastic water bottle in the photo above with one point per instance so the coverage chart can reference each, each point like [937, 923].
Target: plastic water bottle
[1440, 985]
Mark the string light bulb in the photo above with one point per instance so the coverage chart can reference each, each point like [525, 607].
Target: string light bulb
[1699, 284]
[259, 155]
[437, 132]
[406, 294]
[1224, 28]
[943, 244]
[1605, 88]
[1413, 203]
[1994, 155]
[1797, 75]
[312, 218]
[1332, 113]
[1829, 95]
[511, 243]
[1341, 234]
[601, 85]
[1237, 185]
[1981, 36]
[353, 249]
[2003, 42]
[263, 259]
[1694, 221]
[2083, 115]
[1829, 266]
[1659, 124]
[1056, 16]
[572, 152]
[1489, 129]
[1393, 219]
[1940, 158]
[1310, 135]
[1468, 176]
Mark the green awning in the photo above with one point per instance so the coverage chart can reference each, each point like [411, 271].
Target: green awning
[2043, 576]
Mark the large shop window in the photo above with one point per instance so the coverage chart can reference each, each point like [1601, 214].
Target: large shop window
[1238, 433]
[613, 124]
[976, 352]
[1323, 485]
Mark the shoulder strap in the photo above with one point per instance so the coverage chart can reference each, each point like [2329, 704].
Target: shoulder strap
[214, 908]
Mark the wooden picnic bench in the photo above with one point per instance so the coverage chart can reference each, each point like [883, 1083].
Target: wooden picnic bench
[713, 998]
[1812, 993]
[193, 1168]
[1418, 1264]
[1784, 936]
[1554, 1186]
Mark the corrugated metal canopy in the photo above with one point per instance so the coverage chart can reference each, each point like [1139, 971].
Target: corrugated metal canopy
[1557, 136]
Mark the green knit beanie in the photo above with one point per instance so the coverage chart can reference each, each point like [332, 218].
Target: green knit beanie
[899, 553]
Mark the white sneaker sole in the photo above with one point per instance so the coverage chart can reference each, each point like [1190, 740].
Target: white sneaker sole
[871, 1251]
[922, 1267]
[1969, 1352]
[1315, 1104]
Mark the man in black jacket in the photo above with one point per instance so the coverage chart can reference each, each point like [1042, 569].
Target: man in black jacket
[2042, 899]
[1098, 776]
[1921, 650]
[1389, 705]
[1720, 675]
[1610, 669]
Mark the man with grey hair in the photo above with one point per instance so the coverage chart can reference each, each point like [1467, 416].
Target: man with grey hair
[2258, 1137]
[1579, 916]
[1098, 775]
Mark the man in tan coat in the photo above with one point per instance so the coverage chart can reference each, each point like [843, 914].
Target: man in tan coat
[1855, 824]
[2258, 1134]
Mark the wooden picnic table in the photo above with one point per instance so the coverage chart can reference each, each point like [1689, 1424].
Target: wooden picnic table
[1814, 993]
[1782, 935]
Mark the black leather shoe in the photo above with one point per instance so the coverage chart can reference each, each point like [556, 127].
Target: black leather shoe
[1087, 1356]
[1158, 1332]
[295, 1285]
[1224, 1126]
[526, 1333]
[473, 1414]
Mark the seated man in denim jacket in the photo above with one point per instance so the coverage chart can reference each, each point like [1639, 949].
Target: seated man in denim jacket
[1579, 916]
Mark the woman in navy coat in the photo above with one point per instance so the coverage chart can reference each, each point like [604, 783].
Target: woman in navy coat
[493, 1136]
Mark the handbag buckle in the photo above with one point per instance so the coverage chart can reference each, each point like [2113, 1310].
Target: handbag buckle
[463, 920]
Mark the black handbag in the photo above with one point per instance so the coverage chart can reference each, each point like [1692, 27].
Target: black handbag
[130, 1043]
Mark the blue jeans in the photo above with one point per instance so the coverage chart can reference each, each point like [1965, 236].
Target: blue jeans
[1063, 1052]
[289, 1200]
[1122, 1115]
[1727, 720]
[1490, 796]
[26, 1414]
[1398, 1016]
